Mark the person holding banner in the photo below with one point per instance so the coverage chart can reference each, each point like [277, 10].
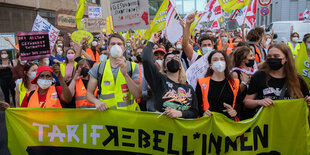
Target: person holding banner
[79, 84]
[47, 95]
[172, 95]
[218, 91]
[6, 77]
[68, 67]
[276, 80]
[118, 80]
[25, 86]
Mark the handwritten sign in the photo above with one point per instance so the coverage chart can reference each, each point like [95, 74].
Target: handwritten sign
[34, 45]
[5, 45]
[94, 12]
[197, 70]
[95, 24]
[66, 20]
[78, 35]
[40, 24]
[130, 14]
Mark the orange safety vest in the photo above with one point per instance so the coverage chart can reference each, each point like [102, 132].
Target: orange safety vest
[80, 96]
[89, 51]
[51, 101]
[205, 83]
[219, 46]
[139, 99]
[258, 55]
[230, 48]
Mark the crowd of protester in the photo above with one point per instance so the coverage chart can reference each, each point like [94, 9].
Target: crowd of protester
[246, 72]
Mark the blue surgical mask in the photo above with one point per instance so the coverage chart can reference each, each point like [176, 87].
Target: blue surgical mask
[308, 47]
[206, 50]
[224, 39]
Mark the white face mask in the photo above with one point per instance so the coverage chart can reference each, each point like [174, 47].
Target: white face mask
[32, 75]
[160, 62]
[44, 84]
[206, 50]
[295, 39]
[179, 46]
[3, 56]
[47, 63]
[23, 62]
[94, 43]
[59, 51]
[219, 66]
[116, 51]
[128, 44]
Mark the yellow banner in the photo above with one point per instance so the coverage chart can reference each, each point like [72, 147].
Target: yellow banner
[159, 21]
[281, 128]
[231, 5]
[302, 64]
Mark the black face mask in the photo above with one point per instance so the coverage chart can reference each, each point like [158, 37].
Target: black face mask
[84, 72]
[139, 59]
[250, 63]
[274, 63]
[173, 66]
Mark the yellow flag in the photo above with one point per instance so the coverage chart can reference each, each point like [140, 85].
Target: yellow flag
[159, 21]
[127, 36]
[194, 24]
[109, 25]
[79, 15]
[231, 5]
[302, 64]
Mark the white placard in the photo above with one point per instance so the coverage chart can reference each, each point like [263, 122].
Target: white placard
[40, 24]
[94, 12]
[130, 14]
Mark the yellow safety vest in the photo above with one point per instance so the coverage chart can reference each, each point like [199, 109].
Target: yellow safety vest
[199, 53]
[116, 94]
[296, 50]
[63, 68]
[22, 92]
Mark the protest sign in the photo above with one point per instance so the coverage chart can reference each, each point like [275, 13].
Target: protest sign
[94, 24]
[94, 12]
[78, 35]
[66, 20]
[40, 24]
[34, 45]
[279, 129]
[197, 70]
[5, 45]
[130, 14]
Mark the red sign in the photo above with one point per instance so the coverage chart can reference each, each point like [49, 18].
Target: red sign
[234, 15]
[264, 2]
[264, 11]
[217, 10]
[301, 16]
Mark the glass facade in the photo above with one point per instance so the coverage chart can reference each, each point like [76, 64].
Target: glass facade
[183, 6]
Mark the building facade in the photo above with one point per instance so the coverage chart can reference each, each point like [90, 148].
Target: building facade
[19, 15]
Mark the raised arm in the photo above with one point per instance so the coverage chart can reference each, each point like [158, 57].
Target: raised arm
[188, 48]
[66, 94]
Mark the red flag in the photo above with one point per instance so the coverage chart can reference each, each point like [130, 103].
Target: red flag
[251, 15]
[215, 25]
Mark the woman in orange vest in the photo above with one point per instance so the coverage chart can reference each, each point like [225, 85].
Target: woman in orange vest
[79, 84]
[93, 51]
[47, 95]
[68, 67]
[225, 43]
[218, 91]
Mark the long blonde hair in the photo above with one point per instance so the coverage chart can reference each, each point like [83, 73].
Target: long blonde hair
[182, 75]
[289, 70]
